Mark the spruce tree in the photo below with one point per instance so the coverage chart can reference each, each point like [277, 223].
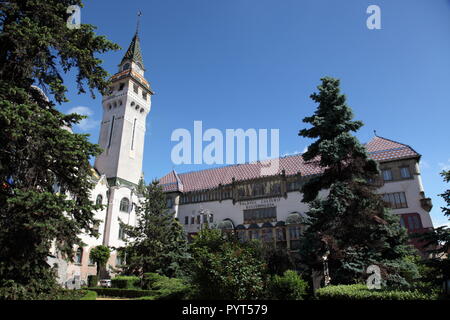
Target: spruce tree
[351, 225]
[36, 152]
[157, 243]
[437, 242]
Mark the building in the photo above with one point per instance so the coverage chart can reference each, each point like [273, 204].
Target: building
[118, 170]
[237, 198]
[269, 208]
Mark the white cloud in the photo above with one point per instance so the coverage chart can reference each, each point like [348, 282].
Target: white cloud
[88, 123]
[445, 166]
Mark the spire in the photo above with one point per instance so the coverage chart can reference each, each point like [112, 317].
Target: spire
[134, 52]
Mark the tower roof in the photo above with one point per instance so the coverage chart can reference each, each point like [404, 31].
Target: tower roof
[134, 52]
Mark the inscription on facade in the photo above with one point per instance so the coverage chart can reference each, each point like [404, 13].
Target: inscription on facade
[263, 203]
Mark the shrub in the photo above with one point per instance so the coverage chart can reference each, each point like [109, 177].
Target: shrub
[164, 288]
[122, 293]
[289, 286]
[125, 282]
[92, 281]
[361, 292]
[89, 295]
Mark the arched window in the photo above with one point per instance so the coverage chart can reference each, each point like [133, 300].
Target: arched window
[124, 205]
[99, 200]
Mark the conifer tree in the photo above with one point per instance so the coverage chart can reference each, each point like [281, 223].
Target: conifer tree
[37, 153]
[157, 243]
[351, 225]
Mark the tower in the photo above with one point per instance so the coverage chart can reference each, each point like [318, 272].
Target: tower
[125, 110]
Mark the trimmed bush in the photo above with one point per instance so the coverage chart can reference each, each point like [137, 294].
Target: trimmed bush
[164, 288]
[89, 295]
[125, 282]
[122, 293]
[361, 292]
[92, 281]
[289, 286]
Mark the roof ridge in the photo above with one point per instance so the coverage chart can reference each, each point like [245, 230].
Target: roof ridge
[406, 145]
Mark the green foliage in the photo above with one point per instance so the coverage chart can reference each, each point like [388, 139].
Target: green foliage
[159, 243]
[351, 224]
[277, 260]
[223, 268]
[437, 243]
[92, 281]
[100, 255]
[361, 292]
[36, 152]
[165, 288]
[289, 286]
[122, 293]
[126, 282]
[89, 295]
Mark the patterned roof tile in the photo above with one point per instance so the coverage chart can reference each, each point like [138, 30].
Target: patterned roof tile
[379, 149]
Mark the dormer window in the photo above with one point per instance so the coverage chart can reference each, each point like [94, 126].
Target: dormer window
[126, 66]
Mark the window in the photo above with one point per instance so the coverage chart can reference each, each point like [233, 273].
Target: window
[136, 88]
[267, 234]
[281, 234]
[241, 234]
[186, 220]
[192, 220]
[169, 203]
[121, 233]
[405, 173]
[294, 232]
[211, 218]
[144, 95]
[91, 262]
[387, 175]
[121, 86]
[411, 221]
[99, 200]
[79, 256]
[198, 219]
[125, 205]
[119, 260]
[126, 66]
[260, 215]
[396, 200]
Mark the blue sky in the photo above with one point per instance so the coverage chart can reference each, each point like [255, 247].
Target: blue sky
[254, 63]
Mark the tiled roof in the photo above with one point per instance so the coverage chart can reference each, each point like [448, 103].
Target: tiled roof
[134, 52]
[379, 149]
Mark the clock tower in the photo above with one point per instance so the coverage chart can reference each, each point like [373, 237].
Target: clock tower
[123, 126]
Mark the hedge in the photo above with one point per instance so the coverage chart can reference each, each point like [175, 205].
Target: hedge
[361, 292]
[126, 282]
[122, 293]
[165, 288]
[90, 295]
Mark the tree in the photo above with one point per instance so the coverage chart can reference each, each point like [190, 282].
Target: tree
[437, 242]
[351, 225]
[222, 268]
[36, 152]
[100, 255]
[157, 243]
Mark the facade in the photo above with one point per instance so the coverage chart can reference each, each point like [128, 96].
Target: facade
[240, 199]
[118, 170]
